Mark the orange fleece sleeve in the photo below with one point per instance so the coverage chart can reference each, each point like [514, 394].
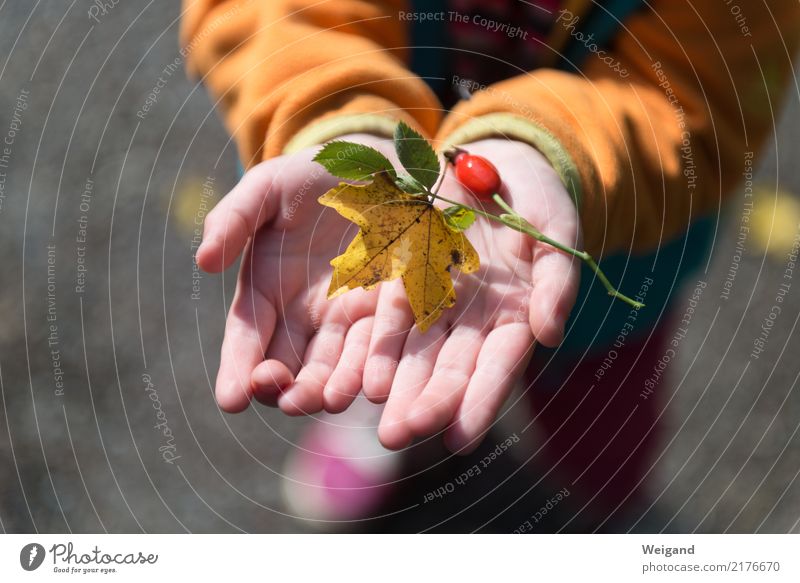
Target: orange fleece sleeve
[293, 73]
[658, 129]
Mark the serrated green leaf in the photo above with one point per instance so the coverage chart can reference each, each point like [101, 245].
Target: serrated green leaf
[407, 184]
[459, 218]
[416, 155]
[353, 161]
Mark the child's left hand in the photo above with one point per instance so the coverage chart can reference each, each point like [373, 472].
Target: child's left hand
[457, 375]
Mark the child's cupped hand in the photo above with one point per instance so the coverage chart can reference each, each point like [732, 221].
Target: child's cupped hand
[285, 344]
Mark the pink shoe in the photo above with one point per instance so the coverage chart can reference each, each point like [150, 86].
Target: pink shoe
[339, 472]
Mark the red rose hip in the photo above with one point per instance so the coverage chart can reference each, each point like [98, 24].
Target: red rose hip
[475, 173]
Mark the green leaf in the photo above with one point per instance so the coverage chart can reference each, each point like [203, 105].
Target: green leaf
[407, 184]
[459, 218]
[353, 161]
[416, 155]
[517, 223]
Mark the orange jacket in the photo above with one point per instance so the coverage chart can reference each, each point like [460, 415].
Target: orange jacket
[644, 145]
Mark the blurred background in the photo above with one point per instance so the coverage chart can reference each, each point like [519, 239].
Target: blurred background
[109, 338]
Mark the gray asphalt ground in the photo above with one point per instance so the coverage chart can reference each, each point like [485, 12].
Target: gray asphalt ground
[103, 340]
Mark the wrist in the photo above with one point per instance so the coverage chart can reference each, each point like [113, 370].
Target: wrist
[515, 158]
[510, 127]
[363, 138]
[337, 126]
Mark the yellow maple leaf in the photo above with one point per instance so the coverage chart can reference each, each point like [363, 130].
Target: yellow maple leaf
[401, 235]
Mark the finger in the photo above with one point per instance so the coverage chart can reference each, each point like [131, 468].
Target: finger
[324, 352]
[289, 342]
[416, 366]
[304, 396]
[344, 383]
[251, 203]
[250, 324]
[503, 357]
[433, 410]
[556, 277]
[269, 380]
[393, 321]
[282, 361]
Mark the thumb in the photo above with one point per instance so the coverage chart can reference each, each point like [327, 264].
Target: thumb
[555, 277]
[253, 202]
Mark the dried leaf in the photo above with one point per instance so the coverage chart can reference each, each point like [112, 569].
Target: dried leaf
[774, 221]
[401, 236]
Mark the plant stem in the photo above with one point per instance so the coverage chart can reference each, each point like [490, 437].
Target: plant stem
[438, 185]
[515, 221]
[470, 208]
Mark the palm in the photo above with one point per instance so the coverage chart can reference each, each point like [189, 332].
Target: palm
[284, 277]
[286, 344]
[500, 290]
[472, 356]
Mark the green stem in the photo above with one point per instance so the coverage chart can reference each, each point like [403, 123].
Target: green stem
[515, 221]
[438, 185]
[503, 204]
[470, 208]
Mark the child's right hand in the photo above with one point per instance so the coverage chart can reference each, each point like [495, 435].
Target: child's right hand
[281, 330]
